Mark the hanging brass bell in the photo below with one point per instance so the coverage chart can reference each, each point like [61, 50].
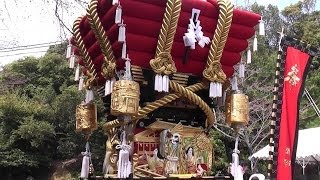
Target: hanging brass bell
[125, 98]
[86, 118]
[237, 109]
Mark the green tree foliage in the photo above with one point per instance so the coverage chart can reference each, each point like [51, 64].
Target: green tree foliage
[37, 114]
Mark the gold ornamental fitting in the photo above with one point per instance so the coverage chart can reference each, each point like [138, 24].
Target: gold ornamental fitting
[86, 118]
[125, 98]
[237, 109]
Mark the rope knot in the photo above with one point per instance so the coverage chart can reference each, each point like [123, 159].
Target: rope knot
[163, 64]
[108, 68]
[214, 73]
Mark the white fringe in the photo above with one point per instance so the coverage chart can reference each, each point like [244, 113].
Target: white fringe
[249, 56]
[72, 61]
[89, 96]
[122, 33]
[241, 70]
[107, 88]
[81, 82]
[77, 73]
[262, 31]
[118, 17]
[113, 80]
[85, 167]
[69, 51]
[234, 83]
[255, 43]
[124, 50]
[115, 2]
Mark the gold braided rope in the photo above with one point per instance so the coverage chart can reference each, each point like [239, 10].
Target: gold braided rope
[109, 63]
[163, 63]
[155, 105]
[166, 99]
[213, 71]
[210, 113]
[91, 72]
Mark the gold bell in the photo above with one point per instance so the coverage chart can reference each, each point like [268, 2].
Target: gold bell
[125, 98]
[86, 118]
[237, 109]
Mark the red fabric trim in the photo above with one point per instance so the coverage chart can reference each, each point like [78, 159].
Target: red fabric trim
[289, 114]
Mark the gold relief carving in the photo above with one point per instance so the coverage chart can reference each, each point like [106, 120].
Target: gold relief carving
[111, 157]
[237, 109]
[125, 98]
[86, 118]
[203, 145]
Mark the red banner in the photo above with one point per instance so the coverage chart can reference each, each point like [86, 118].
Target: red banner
[296, 67]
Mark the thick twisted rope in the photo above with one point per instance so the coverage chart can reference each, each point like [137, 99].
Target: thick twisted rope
[213, 71]
[163, 63]
[210, 113]
[91, 72]
[109, 63]
[167, 99]
[169, 26]
[155, 105]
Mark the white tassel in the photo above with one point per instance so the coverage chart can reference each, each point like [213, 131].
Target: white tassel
[212, 90]
[77, 73]
[220, 89]
[72, 61]
[85, 162]
[124, 164]
[128, 75]
[107, 89]
[165, 83]
[113, 80]
[156, 82]
[261, 28]
[122, 33]
[234, 83]
[124, 51]
[89, 96]
[160, 83]
[85, 167]
[115, 2]
[248, 56]
[81, 82]
[167, 86]
[241, 70]
[255, 43]
[69, 51]
[118, 17]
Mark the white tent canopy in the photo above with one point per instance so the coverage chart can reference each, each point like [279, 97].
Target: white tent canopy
[308, 150]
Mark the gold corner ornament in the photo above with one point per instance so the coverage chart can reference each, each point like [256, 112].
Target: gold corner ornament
[213, 71]
[292, 77]
[237, 109]
[86, 118]
[125, 98]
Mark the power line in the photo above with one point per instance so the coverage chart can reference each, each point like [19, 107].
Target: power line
[31, 45]
[26, 48]
[22, 53]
